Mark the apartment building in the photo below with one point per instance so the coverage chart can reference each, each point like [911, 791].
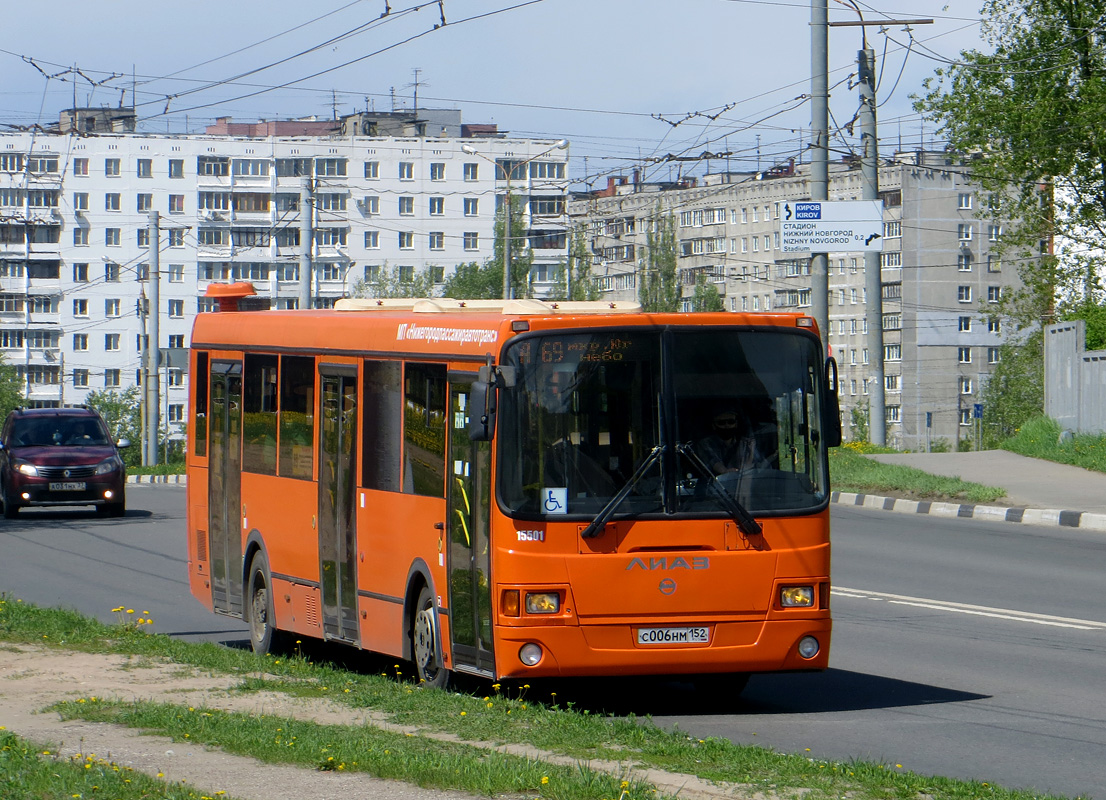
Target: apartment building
[938, 276]
[75, 230]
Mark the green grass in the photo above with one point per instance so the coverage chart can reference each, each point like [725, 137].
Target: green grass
[1040, 438]
[502, 714]
[158, 469]
[852, 471]
[29, 770]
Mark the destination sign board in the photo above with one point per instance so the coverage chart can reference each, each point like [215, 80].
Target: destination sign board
[847, 226]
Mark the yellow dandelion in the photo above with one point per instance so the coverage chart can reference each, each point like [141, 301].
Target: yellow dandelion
[463, 713]
[544, 780]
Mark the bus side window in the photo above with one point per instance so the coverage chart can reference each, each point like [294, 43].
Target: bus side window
[259, 402]
[297, 416]
[382, 427]
[424, 430]
[199, 408]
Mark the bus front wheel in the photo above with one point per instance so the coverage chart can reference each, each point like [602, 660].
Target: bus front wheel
[264, 636]
[425, 645]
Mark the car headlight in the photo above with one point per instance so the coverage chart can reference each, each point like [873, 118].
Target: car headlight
[27, 469]
[108, 465]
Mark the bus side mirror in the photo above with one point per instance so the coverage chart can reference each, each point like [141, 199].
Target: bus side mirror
[831, 407]
[482, 400]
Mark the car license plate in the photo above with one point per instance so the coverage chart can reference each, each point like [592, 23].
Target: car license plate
[672, 636]
[68, 486]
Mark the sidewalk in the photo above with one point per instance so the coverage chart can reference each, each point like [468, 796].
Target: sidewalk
[1039, 492]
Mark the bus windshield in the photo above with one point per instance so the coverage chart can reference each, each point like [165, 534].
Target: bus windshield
[669, 419]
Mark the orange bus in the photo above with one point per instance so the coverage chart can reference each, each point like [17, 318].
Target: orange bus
[516, 489]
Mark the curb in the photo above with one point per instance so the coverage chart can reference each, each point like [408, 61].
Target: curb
[1027, 516]
[180, 479]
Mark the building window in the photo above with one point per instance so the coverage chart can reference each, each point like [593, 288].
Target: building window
[80, 341]
[144, 202]
[176, 341]
[964, 355]
[111, 167]
[994, 233]
[994, 263]
[406, 240]
[80, 273]
[331, 201]
[176, 412]
[964, 324]
[890, 259]
[965, 416]
[111, 341]
[406, 206]
[893, 413]
[111, 272]
[964, 262]
[176, 204]
[80, 166]
[964, 201]
[80, 307]
[964, 294]
[175, 237]
[994, 326]
[176, 308]
[892, 352]
[992, 355]
[111, 307]
[437, 206]
[437, 240]
[111, 378]
[891, 383]
[176, 168]
[406, 170]
[965, 385]
[372, 170]
[145, 168]
[330, 167]
[111, 237]
[471, 171]
[372, 240]
[471, 240]
[80, 201]
[80, 378]
[892, 229]
[964, 232]
[994, 294]
[437, 171]
[176, 273]
[371, 204]
[143, 237]
[472, 206]
[111, 201]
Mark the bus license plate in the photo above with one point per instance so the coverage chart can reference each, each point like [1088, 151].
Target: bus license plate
[672, 636]
[68, 486]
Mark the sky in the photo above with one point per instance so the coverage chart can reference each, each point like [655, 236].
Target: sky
[630, 83]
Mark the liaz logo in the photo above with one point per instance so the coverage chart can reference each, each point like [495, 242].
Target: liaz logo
[698, 562]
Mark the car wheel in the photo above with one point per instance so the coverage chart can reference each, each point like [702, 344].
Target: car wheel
[11, 510]
[425, 646]
[112, 509]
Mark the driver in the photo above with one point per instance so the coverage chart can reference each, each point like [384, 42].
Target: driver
[731, 447]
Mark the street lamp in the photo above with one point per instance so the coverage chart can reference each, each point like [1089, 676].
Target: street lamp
[507, 167]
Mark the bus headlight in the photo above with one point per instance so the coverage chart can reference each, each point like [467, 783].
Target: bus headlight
[543, 602]
[796, 596]
[530, 654]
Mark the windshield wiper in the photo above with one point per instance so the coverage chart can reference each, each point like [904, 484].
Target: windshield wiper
[596, 525]
[740, 514]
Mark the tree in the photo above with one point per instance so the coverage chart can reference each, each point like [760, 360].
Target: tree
[11, 389]
[706, 297]
[474, 281]
[574, 278]
[658, 284]
[122, 411]
[1031, 111]
[1014, 391]
[394, 282]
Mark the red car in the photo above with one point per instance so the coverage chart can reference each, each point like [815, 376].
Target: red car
[61, 457]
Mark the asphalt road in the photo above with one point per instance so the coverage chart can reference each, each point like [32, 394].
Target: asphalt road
[961, 648]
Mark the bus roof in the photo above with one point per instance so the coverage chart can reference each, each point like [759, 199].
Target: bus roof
[515, 308]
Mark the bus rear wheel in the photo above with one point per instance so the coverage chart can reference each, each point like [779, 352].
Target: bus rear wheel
[264, 636]
[425, 646]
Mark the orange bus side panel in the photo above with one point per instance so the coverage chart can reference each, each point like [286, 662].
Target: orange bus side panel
[199, 560]
[283, 511]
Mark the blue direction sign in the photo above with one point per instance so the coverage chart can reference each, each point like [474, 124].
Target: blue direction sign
[831, 227]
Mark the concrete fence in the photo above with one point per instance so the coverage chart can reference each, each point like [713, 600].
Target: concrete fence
[1075, 380]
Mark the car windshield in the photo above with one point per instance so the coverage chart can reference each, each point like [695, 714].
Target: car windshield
[59, 431]
[671, 418]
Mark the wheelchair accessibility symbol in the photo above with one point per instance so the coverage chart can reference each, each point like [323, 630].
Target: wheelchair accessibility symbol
[554, 500]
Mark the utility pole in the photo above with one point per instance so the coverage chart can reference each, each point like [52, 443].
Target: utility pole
[819, 160]
[306, 242]
[873, 269]
[153, 403]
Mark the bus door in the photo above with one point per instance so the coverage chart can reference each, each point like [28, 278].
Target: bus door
[469, 498]
[224, 500]
[337, 481]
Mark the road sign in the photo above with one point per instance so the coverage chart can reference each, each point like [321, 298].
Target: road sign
[831, 227]
[977, 410]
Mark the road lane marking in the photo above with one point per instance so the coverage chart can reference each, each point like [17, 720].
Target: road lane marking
[965, 608]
